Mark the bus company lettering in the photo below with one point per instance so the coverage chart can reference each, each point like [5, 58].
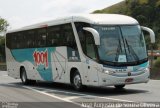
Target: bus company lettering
[41, 58]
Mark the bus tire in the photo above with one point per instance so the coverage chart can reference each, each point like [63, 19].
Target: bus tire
[23, 76]
[119, 86]
[77, 81]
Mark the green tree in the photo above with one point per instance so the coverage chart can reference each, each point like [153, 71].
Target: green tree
[142, 19]
[3, 25]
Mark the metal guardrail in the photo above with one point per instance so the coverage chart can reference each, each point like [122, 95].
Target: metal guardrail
[155, 53]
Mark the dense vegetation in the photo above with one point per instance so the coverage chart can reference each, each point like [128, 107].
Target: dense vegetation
[2, 49]
[147, 12]
[3, 28]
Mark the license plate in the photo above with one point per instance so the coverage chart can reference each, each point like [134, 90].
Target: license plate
[128, 80]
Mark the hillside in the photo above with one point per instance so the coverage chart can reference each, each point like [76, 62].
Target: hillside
[147, 12]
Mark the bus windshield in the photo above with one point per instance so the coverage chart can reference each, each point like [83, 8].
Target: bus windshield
[121, 44]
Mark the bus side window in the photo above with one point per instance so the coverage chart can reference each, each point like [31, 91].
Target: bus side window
[82, 37]
[82, 41]
[17, 40]
[53, 38]
[61, 35]
[13, 41]
[90, 46]
[30, 38]
[9, 40]
[69, 38]
[22, 40]
[41, 38]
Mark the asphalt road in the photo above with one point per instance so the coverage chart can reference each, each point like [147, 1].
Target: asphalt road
[53, 95]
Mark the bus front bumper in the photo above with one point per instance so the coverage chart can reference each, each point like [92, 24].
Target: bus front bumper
[110, 80]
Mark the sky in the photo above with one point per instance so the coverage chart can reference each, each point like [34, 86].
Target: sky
[21, 13]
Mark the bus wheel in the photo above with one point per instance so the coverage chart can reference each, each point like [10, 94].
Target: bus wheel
[77, 81]
[119, 86]
[23, 76]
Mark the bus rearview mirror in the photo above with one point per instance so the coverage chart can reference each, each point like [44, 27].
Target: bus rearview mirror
[151, 33]
[94, 33]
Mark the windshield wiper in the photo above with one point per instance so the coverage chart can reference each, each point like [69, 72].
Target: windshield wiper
[119, 49]
[130, 49]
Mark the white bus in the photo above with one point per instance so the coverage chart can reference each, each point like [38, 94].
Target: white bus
[83, 50]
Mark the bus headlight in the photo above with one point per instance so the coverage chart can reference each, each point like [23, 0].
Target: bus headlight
[107, 71]
[147, 69]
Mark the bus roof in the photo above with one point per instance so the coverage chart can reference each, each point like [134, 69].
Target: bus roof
[102, 19]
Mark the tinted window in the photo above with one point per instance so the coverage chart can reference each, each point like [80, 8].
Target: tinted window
[54, 36]
[80, 31]
[17, 40]
[8, 40]
[40, 38]
[59, 35]
[14, 40]
[86, 40]
[20, 41]
[90, 46]
[69, 39]
[30, 38]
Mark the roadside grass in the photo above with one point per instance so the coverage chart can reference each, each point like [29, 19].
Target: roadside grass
[155, 73]
[2, 63]
[2, 66]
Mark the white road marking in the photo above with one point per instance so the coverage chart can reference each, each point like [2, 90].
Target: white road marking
[80, 94]
[68, 99]
[71, 97]
[116, 99]
[51, 95]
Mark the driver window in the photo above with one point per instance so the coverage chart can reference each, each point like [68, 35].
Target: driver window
[90, 46]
